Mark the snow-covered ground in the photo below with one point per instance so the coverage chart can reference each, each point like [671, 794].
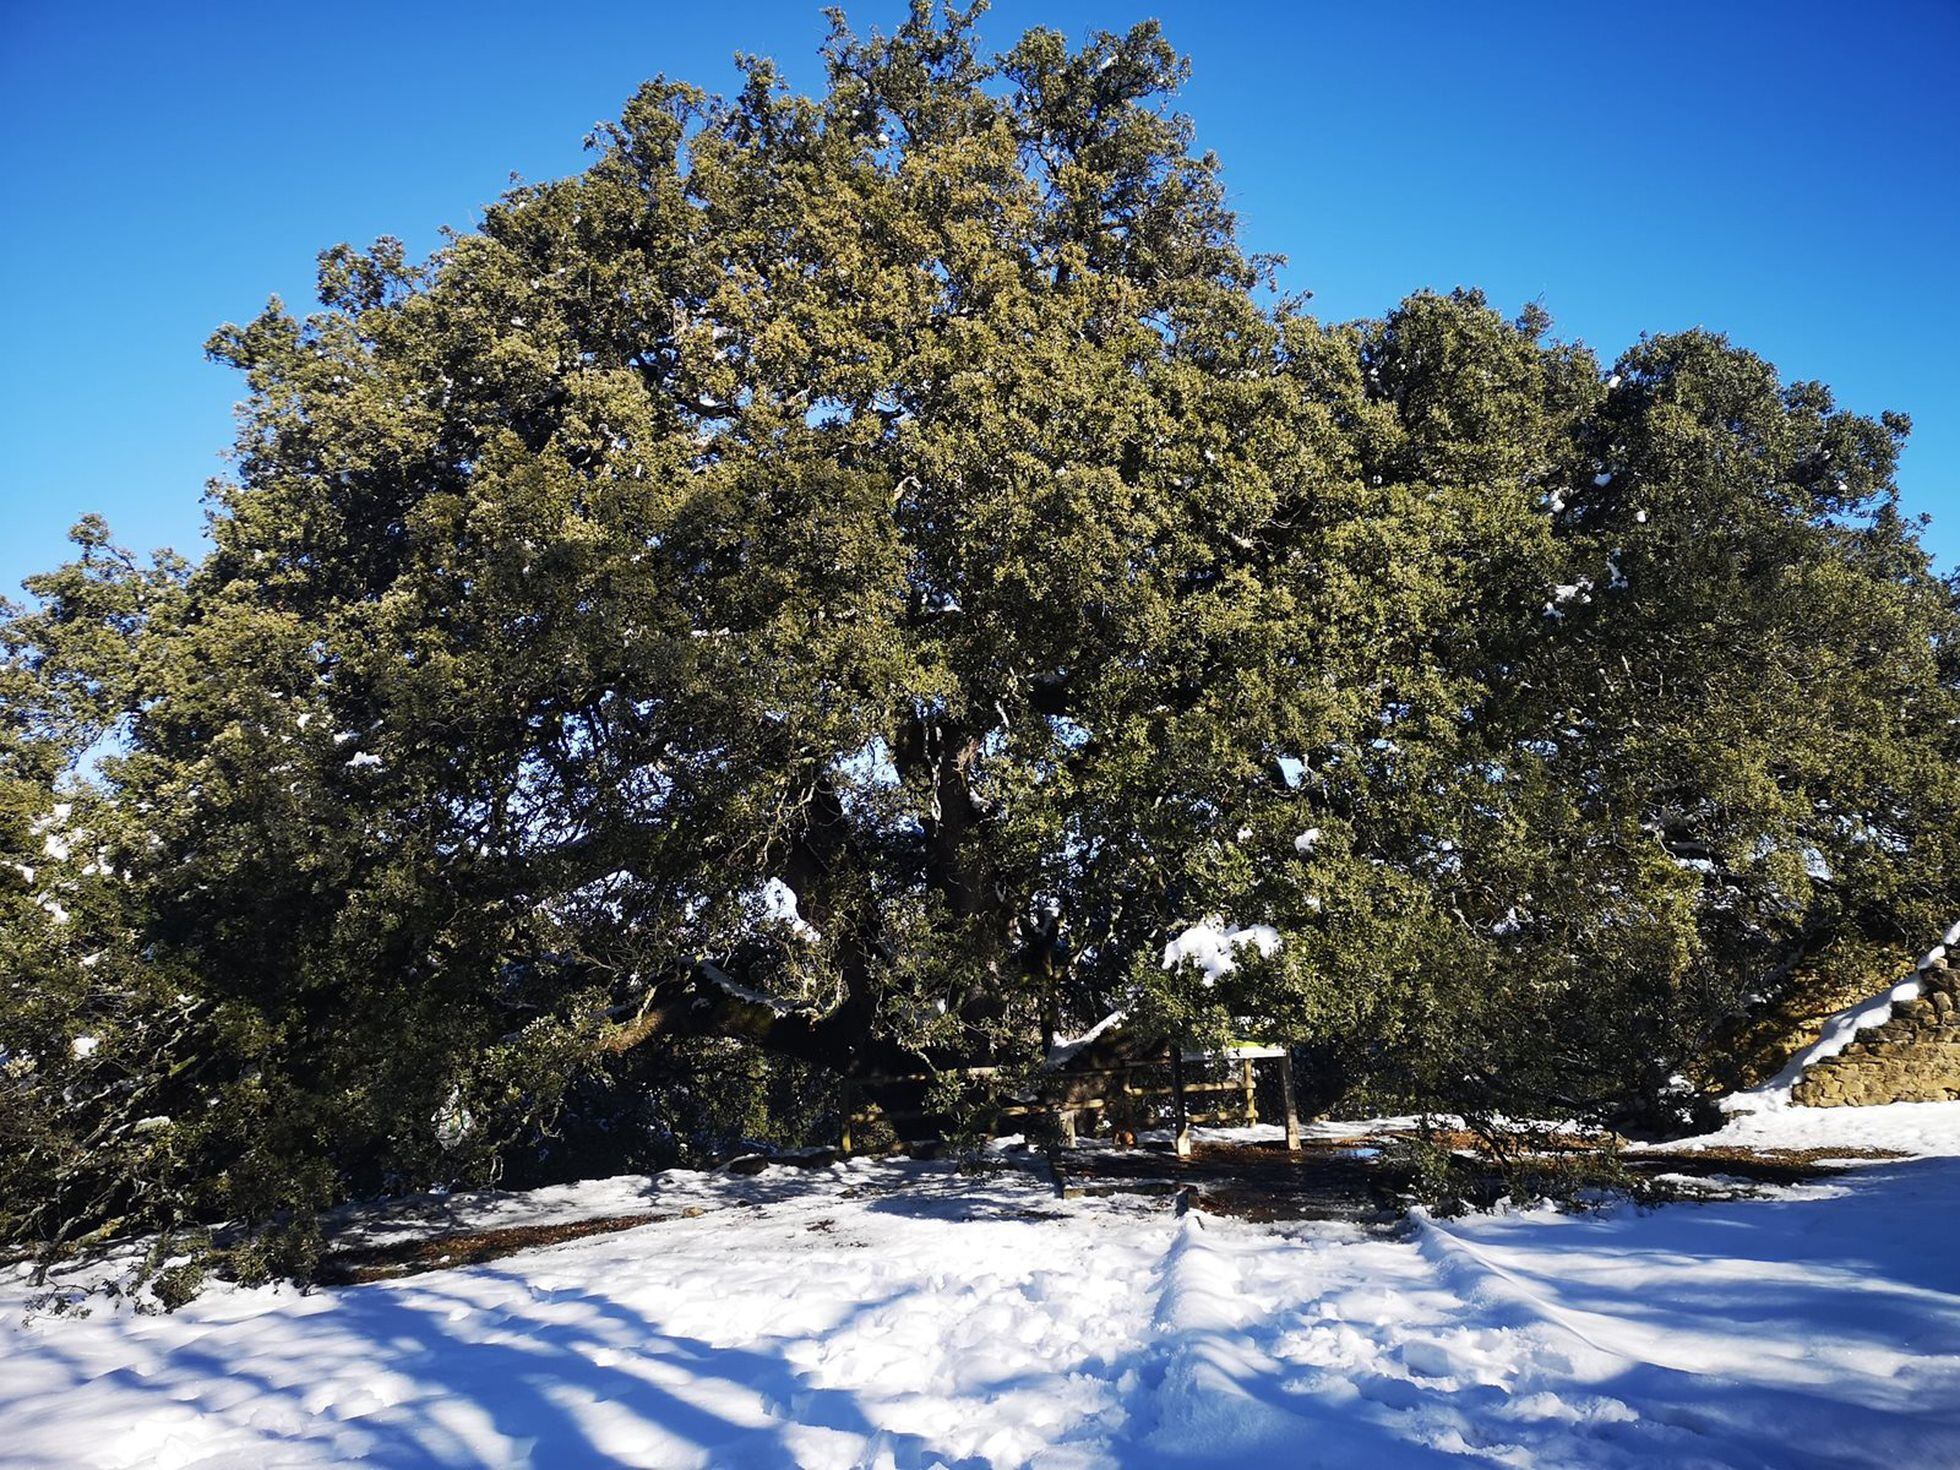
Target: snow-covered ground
[901, 1315]
[1922, 1129]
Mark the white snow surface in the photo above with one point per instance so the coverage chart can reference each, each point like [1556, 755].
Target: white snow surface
[888, 1314]
[1926, 1130]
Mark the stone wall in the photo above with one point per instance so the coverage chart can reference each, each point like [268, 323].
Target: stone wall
[1912, 1057]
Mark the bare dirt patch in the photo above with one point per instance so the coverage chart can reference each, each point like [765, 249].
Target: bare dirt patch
[1758, 1166]
[1254, 1181]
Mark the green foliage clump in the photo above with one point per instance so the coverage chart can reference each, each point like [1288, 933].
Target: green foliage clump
[1520, 1164]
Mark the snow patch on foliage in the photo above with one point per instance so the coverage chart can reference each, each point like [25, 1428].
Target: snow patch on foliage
[1212, 947]
[728, 985]
[1063, 1048]
[453, 1121]
[779, 906]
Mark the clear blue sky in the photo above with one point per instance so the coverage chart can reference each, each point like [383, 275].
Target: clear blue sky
[1785, 172]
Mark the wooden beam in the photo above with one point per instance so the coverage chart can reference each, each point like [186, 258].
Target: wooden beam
[1231, 1084]
[1219, 1117]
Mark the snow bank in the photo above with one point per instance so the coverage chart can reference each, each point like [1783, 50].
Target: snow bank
[1199, 1290]
[1210, 1366]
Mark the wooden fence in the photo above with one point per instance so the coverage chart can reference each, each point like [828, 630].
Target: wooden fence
[1070, 1095]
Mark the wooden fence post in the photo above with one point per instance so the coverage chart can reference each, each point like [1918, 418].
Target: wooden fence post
[1180, 1114]
[1292, 1109]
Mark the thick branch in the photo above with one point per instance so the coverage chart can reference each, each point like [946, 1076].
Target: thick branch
[705, 1001]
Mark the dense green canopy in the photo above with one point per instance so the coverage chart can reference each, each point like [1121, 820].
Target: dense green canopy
[843, 582]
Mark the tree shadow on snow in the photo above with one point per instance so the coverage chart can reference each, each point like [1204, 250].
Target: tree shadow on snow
[559, 1378]
[1750, 1333]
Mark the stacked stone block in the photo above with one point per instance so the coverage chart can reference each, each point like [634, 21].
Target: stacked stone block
[1912, 1057]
